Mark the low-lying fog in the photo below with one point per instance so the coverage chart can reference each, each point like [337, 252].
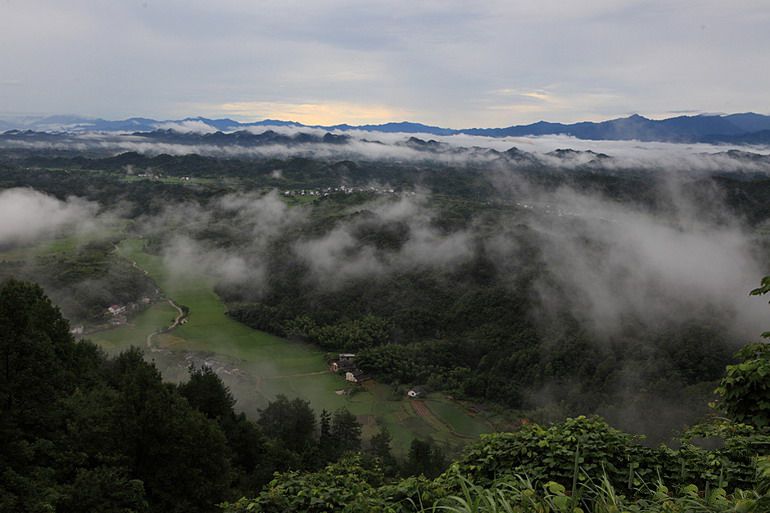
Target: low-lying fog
[458, 149]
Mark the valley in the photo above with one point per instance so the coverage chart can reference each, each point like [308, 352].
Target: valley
[258, 366]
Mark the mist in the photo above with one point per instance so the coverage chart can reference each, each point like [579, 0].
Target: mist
[628, 272]
[338, 256]
[616, 263]
[27, 215]
[244, 224]
[458, 150]
[605, 262]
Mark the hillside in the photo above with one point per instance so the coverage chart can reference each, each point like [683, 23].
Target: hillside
[84, 433]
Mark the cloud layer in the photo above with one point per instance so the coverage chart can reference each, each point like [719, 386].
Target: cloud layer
[456, 149]
[452, 63]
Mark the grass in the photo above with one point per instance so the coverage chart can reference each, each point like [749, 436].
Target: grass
[135, 332]
[596, 494]
[456, 417]
[269, 365]
[65, 244]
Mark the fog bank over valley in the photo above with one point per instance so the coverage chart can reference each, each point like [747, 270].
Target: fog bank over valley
[535, 277]
[557, 151]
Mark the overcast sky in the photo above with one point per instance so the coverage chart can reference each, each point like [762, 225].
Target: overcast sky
[447, 62]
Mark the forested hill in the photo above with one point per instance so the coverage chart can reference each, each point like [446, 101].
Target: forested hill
[84, 433]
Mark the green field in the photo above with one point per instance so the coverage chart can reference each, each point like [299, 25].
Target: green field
[457, 417]
[259, 366]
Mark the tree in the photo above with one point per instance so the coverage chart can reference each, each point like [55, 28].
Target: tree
[250, 454]
[425, 458]
[206, 392]
[292, 422]
[345, 431]
[35, 350]
[36, 372]
[379, 446]
[325, 442]
[179, 454]
[106, 490]
[745, 389]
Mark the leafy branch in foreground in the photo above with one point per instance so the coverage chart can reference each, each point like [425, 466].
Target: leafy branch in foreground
[763, 288]
[745, 389]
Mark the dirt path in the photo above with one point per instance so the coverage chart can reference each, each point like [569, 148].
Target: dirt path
[285, 376]
[177, 320]
[180, 315]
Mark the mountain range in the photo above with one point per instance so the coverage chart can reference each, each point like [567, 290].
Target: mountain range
[744, 128]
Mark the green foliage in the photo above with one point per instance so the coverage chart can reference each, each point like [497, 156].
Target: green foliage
[425, 459]
[81, 433]
[290, 421]
[206, 393]
[379, 447]
[764, 288]
[345, 431]
[351, 486]
[721, 452]
[341, 486]
[517, 494]
[104, 489]
[348, 335]
[549, 453]
[745, 389]
[553, 453]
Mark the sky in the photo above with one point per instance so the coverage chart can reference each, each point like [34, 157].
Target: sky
[445, 62]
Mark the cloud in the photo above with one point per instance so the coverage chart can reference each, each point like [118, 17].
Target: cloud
[340, 255]
[613, 264]
[187, 126]
[436, 61]
[608, 264]
[185, 258]
[337, 257]
[460, 150]
[263, 216]
[227, 239]
[27, 215]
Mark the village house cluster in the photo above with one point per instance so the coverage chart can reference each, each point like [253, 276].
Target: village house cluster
[118, 314]
[346, 363]
[152, 176]
[342, 189]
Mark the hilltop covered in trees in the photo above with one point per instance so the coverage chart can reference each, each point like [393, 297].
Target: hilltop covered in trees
[81, 432]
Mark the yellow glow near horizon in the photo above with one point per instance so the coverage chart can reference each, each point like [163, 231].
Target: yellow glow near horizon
[331, 113]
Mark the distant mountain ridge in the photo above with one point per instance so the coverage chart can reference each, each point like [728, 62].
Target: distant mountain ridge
[743, 128]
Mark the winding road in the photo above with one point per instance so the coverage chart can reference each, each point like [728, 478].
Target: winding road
[177, 321]
[180, 313]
